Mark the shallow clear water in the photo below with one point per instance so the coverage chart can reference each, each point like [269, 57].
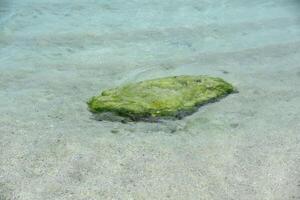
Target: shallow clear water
[55, 55]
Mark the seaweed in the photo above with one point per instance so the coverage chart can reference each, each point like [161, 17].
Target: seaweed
[169, 97]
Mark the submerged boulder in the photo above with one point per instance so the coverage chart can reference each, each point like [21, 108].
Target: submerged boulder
[170, 97]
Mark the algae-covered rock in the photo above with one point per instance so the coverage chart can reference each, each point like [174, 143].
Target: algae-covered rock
[170, 97]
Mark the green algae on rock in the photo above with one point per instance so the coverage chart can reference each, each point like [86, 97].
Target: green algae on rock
[170, 97]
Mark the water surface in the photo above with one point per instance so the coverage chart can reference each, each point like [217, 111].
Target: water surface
[55, 55]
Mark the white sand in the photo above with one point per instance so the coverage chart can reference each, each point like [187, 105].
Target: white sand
[56, 54]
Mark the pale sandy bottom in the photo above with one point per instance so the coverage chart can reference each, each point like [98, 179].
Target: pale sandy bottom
[55, 55]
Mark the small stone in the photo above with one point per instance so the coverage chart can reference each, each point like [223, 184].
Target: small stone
[114, 131]
[170, 97]
[234, 125]
[225, 72]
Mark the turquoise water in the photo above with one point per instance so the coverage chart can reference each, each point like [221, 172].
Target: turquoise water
[55, 55]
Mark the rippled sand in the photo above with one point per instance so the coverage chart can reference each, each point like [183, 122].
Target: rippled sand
[55, 55]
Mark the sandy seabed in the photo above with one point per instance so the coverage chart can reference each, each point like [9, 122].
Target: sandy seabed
[55, 55]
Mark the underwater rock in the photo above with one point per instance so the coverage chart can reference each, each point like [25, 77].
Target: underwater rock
[170, 97]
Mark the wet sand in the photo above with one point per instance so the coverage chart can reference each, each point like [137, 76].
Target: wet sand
[55, 55]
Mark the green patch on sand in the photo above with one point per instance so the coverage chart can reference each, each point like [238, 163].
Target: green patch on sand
[170, 97]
